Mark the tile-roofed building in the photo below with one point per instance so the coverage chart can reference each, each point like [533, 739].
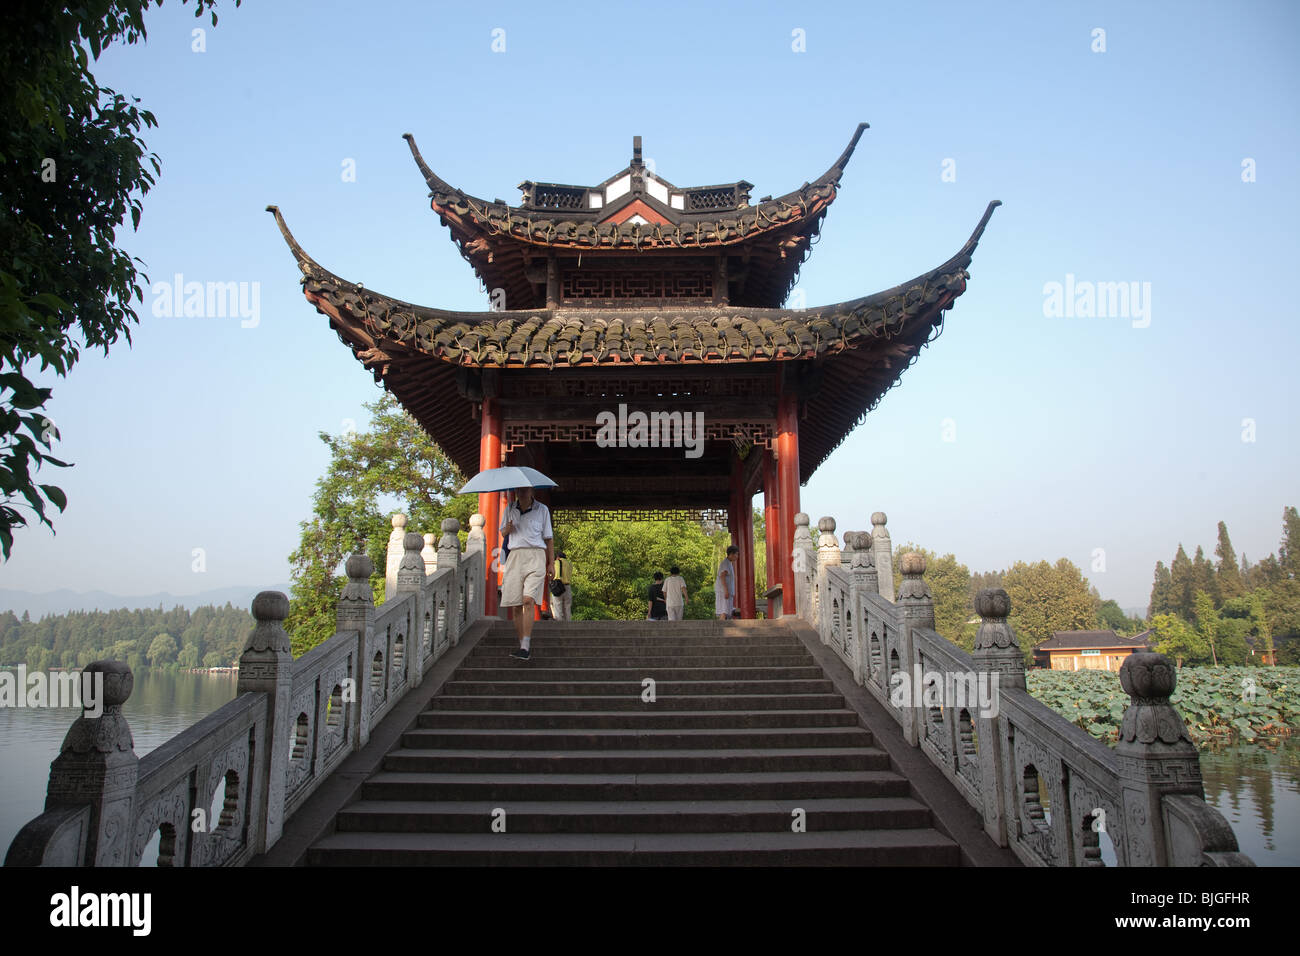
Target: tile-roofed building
[637, 296]
[1089, 650]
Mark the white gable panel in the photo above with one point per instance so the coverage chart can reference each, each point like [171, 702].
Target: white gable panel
[618, 188]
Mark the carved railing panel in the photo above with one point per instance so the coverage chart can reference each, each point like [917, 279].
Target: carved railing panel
[219, 793]
[1046, 789]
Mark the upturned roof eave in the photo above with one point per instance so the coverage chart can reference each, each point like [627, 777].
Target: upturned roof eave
[770, 334]
[439, 187]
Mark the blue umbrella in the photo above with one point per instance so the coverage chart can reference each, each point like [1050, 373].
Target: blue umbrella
[505, 479]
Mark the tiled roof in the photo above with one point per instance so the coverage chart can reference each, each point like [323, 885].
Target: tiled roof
[862, 345]
[498, 239]
[667, 335]
[1076, 640]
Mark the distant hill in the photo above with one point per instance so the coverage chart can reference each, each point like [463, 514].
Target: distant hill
[64, 600]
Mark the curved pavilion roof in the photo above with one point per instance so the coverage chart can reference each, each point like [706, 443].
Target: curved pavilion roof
[638, 211]
[855, 350]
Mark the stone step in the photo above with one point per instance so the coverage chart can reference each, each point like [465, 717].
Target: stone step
[409, 760]
[685, 688]
[901, 847]
[770, 785]
[626, 702]
[600, 720]
[542, 672]
[669, 738]
[542, 657]
[633, 816]
[746, 643]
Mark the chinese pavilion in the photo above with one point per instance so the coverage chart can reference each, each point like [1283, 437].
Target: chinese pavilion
[659, 308]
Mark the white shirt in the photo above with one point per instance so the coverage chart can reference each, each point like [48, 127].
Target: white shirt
[728, 566]
[673, 591]
[532, 528]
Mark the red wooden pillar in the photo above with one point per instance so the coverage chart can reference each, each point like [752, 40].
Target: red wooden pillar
[787, 475]
[740, 522]
[746, 572]
[776, 551]
[489, 503]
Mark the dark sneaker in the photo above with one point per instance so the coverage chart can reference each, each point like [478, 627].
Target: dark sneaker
[522, 654]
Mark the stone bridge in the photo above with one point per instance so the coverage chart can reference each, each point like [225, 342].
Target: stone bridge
[409, 735]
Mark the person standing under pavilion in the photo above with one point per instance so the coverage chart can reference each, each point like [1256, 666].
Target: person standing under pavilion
[528, 534]
[724, 586]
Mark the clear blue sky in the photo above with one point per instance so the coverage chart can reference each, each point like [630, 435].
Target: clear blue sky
[1071, 434]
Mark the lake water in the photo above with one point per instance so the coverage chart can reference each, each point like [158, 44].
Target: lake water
[1256, 786]
[161, 706]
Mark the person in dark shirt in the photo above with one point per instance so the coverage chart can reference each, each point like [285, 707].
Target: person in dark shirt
[658, 606]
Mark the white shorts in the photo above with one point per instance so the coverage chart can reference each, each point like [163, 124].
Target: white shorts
[524, 576]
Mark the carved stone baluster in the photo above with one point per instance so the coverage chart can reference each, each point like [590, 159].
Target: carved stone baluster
[864, 561]
[266, 667]
[430, 553]
[449, 557]
[1000, 660]
[1157, 760]
[884, 555]
[805, 569]
[916, 604]
[396, 548]
[97, 766]
[828, 555]
[356, 612]
[863, 568]
[410, 580]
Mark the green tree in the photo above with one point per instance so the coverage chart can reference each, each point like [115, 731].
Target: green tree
[1110, 616]
[1289, 553]
[1176, 639]
[1181, 585]
[1161, 592]
[1203, 578]
[393, 459]
[1229, 575]
[1208, 622]
[72, 169]
[162, 650]
[614, 564]
[1046, 598]
[189, 656]
[950, 584]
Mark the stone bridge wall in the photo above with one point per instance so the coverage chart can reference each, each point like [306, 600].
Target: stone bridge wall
[1000, 747]
[253, 762]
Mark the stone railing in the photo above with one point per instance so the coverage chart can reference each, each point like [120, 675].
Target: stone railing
[1043, 786]
[220, 792]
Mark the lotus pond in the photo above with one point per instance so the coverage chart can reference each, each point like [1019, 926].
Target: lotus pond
[1218, 703]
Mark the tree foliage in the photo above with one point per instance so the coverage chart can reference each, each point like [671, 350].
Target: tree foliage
[950, 584]
[614, 564]
[72, 169]
[1242, 613]
[394, 460]
[1046, 598]
[75, 639]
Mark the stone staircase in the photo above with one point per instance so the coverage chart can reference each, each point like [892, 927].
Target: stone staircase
[565, 754]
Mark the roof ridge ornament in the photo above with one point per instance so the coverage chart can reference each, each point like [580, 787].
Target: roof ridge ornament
[637, 162]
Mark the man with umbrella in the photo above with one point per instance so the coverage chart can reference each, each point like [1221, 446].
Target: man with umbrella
[528, 538]
[527, 532]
